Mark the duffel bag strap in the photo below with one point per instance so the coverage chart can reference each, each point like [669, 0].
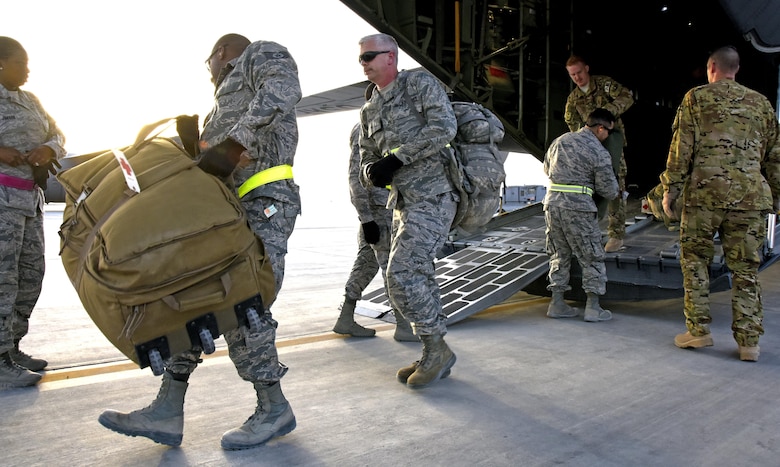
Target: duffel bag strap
[144, 136]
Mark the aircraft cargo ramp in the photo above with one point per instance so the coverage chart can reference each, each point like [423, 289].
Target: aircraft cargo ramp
[482, 270]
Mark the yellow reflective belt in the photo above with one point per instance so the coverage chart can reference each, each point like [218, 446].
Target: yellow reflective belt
[273, 174]
[585, 190]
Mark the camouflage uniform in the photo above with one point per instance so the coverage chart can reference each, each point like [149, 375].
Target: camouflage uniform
[24, 126]
[422, 196]
[579, 159]
[369, 202]
[255, 102]
[725, 161]
[606, 93]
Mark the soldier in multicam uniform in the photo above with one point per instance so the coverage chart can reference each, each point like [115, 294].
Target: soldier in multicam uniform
[373, 249]
[30, 144]
[251, 133]
[578, 166]
[593, 92]
[397, 150]
[724, 167]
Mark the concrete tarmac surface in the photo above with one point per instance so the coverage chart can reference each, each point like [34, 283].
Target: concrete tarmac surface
[526, 390]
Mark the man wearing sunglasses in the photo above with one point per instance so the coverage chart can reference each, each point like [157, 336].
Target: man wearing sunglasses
[249, 140]
[578, 166]
[406, 149]
[592, 92]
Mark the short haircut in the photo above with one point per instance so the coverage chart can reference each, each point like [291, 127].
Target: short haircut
[8, 47]
[236, 41]
[600, 117]
[726, 59]
[575, 59]
[385, 41]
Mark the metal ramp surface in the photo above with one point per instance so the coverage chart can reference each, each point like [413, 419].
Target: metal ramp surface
[481, 270]
[471, 280]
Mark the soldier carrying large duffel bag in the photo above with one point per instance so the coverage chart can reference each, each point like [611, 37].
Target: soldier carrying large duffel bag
[159, 251]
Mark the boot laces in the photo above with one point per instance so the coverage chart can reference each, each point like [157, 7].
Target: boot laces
[22, 354]
[15, 367]
[425, 360]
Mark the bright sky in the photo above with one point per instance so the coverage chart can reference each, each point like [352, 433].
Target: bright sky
[105, 69]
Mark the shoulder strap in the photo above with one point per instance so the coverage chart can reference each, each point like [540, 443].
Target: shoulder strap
[402, 84]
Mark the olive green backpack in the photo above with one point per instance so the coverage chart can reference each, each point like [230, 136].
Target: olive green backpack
[165, 269]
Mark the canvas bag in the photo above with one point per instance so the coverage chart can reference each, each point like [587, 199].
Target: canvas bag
[476, 166]
[148, 265]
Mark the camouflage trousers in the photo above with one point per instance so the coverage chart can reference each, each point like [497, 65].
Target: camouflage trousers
[254, 352]
[419, 233]
[370, 258]
[574, 234]
[741, 234]
[616, 208]
[21, 273]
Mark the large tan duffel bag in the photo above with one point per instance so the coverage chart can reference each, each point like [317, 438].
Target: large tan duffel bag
[165, 269]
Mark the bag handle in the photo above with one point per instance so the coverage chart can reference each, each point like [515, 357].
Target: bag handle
[211, 299]
[144, 136]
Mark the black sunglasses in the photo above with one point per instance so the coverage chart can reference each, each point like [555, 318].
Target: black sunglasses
[609, 130]
[368, 56]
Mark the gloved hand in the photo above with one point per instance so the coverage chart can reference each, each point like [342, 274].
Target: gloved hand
[187, 128]
[381, 171]
[221, 160]
[370, 232]
[668, 204]
[41, 173]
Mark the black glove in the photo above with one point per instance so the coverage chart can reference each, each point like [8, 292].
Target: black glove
[41, 173]
[381, 171]
[187, 127]
[370, 232]
[221, 159]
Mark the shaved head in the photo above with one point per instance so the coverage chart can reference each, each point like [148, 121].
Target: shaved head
[233, 42]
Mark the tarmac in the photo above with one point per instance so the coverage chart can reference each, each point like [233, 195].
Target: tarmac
[526, 390]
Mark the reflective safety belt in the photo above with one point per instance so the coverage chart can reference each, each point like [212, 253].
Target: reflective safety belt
[273, 174]
[585, 190]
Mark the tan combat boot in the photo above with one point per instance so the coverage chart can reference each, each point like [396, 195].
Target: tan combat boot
[162, 421]
[346, 323]
[403, 330]
[593, 311]
[558, 308]
[687, 340]
[613, 245]
[749, 354]
[273, 417]
[15, 376]
[436, 360]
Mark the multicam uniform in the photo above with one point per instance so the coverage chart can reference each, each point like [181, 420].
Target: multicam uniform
[24, 125]
[422, 197]
[725, 161]
[254, 105]
[579, 161]
[370, 203]
[605, 93]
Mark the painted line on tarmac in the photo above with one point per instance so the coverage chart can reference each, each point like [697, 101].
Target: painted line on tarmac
[128, 365]
[96, 370]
